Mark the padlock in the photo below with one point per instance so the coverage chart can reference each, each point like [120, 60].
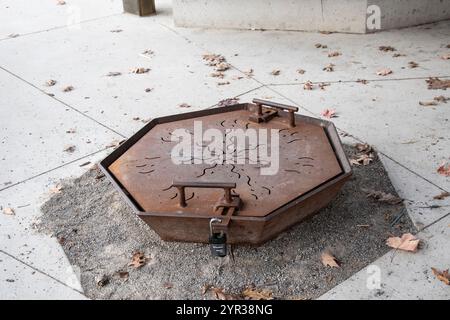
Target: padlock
[217, 240]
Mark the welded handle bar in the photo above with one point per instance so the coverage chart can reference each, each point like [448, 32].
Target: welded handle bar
[182, 185]
[259, 103]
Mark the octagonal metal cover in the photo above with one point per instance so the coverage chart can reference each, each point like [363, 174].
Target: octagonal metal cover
[310, 156]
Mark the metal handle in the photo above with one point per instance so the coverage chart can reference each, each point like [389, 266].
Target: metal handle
[259, 103]
[182, 185]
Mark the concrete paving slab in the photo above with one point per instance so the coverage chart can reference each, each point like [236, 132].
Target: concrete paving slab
[20, 17]
[403, 275]
[387, 115]
[178, 73]
[19, 281]
[265, 51]
[34, 132]
[18, 236]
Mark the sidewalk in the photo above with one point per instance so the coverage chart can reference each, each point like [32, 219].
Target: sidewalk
[43, 41]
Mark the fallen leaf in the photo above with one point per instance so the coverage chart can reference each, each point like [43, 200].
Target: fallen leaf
[116, 30]
[386, 48]
[255, 294]
[334, 54]
[319, 45]
[363, 147]
[363, 81]
[436, 83]
[115, 143]
[184, 105]
[213, 59]
[148, 89]
[138, 260]
[328, 113]
[323, 85]
[71, 130]
[362, 159]
[275, 72]
[69, 149]
[68, 88]
[228, 102]
[442, 196]
[60, 2]
[308, 85]
[446, 56]
[413, 64]
[140, 70]
[9, 211]
[441, 99]
[249, 73]
[50, 83]
[444, 169]
[113, 74]
[396, 55]
[123, 275]
[328, 260]
[428, 103]
[223, 83]
[384, 72]
[148, 52]
[383, 197]
[443, 276]
[56, 189]
[329, 68]
[301, 71]
[217, 74]
[223, 66]
[219, 294]
[407, 242]
[205, 288]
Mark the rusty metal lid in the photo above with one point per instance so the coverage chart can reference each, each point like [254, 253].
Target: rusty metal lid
[143, 168]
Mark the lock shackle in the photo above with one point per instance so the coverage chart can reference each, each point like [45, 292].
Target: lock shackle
[211, 221]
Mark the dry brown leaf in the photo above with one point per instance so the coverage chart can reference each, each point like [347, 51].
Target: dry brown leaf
[275, 72]
[319, 45]
[436, 84]
[362, 159]
[138, 260]
[384, 72]
[329, 68]
[168, 285]
[323, 85]
[68, 88]
[223, 83]
[334, 54]
[442, 196]
[223, 66]
[148, 89]
[363, 81]
[364, 147]
[123, 275]
[301, 71]
[70, 148]
[386, 48]
[50, 83]
[446, 56]
[56, 189]
[140, 70]
[228, 102]
[428, 103]
[444, 169]
[329, 113]
[148, 52]
[9, 211]
[308, 85]
[60, 2]
[213, 59]
[407, 242]
[396, 55]
[217, 74]
[383, 197]
[255, 294]
[328, 260]
[441, 99]
[249, 73]
[116, 30]
[413, 64]
[219, 294]
[443, 276]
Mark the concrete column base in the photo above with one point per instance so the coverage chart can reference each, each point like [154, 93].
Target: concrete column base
[348, 16]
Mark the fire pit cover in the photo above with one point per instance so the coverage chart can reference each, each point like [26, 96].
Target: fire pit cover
[179, 200]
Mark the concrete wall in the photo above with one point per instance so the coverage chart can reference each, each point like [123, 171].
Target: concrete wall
[306, 15]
